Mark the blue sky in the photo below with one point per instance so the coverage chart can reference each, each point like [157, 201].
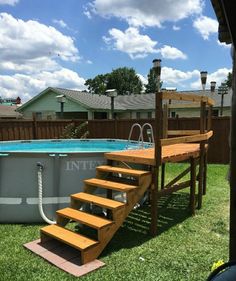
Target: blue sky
[62, 43]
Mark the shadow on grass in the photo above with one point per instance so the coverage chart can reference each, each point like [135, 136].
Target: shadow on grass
[172, 210]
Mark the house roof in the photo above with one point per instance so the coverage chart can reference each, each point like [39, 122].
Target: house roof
[89, 100]
[125, 102]
[9, 111]
[225, 13]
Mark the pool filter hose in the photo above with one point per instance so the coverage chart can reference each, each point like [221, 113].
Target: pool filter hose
[40, 194]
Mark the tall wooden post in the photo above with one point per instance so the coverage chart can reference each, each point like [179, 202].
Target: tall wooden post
[202, 153]
[155, 185]
[232, 245]
[158, 135]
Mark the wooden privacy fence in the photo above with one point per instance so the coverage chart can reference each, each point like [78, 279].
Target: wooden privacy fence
[118, 129]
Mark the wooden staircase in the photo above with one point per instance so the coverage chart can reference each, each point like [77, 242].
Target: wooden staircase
[129, 182]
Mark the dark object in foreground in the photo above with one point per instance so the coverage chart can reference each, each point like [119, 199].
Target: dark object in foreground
[225, 272]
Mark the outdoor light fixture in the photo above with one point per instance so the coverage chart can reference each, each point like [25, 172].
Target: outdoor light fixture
[157, 71]
[222, 90]
[157, 66]
[112, 93]
[213, 86]
[61, 99]
[203, 79]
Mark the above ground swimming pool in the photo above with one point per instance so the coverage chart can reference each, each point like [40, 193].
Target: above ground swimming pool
[65, 164]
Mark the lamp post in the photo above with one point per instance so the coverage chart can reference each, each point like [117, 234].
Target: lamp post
[157, 71]
[222, 90]
[213, 86]
[112, 93]
[203, 79]
[61, 99]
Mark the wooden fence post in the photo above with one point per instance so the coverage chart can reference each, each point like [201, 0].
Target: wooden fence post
[34, 127]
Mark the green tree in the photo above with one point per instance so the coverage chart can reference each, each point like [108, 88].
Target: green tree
[228, 81]
[151, 86]
[124, 80]
[71, 131]
[98, 84]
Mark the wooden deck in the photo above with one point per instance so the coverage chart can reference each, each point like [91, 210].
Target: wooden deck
[170, 153]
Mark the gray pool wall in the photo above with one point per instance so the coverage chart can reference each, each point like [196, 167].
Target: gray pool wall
[63, 175]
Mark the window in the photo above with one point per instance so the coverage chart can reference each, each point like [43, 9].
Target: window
[173, 114]
[138, 115]
[215, 112]
[100, 115]
[149, 115]
[38, 115]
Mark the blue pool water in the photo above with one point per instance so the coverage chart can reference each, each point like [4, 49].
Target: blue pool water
[65, 146]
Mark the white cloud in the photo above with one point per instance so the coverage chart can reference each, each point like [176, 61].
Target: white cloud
[172, 53]
[87, 14]
[176, 28]
[148, 12]
[8, 2]
[191, 79]
[218, 76]
[144, 80]
[137, 45]
[131, 42]
[27, 86]
[21, 49]
[61, 23]
[30, 66]
[175, 77]
[32, 52]
[224, 45]
[206, 26]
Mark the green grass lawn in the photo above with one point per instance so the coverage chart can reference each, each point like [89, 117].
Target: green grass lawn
[185, 248]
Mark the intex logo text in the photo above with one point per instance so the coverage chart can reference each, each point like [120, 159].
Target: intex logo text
[83, 165]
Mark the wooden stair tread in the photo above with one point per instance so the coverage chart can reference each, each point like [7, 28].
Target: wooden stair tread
[110, 185]
[85, 218]
[99, 201]
[69, 237]
[125, 171]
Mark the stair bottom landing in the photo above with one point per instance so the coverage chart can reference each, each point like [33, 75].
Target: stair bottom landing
[62, 256]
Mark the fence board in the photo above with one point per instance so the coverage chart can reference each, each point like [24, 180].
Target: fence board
[119, 129]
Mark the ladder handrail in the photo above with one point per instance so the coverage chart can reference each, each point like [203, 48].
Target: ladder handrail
[151, 129]
[131, 131]
[141, 128]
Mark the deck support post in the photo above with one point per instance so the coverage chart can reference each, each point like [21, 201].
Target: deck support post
[193, 164]
[163, 170]
[154, 190]
[202, 153]
[158, 156]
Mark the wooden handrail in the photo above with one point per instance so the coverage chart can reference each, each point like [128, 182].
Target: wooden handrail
[186, 139]
[171, 95]
[182, 132]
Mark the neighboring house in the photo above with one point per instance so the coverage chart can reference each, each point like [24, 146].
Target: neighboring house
[83, 105]
[9, 112]
[10, 101]
[77, 105]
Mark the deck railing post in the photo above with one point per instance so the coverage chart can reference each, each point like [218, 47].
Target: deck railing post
[34, 127]
[155, 186]
[202, 153]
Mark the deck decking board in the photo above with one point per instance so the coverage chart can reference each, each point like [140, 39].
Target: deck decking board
[170, 153]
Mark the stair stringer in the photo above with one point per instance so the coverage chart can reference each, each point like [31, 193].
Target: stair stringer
[119, 215]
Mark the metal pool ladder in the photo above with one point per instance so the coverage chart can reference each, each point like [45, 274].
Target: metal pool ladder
[141, 129]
